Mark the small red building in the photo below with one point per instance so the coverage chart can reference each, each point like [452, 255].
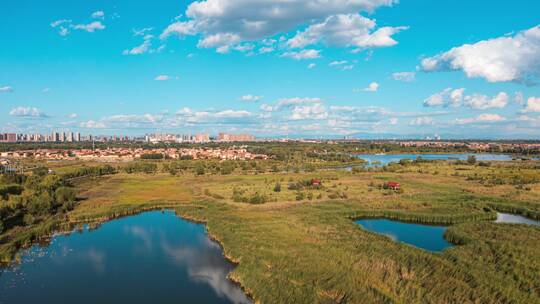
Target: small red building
[316, 182]
[392, 185]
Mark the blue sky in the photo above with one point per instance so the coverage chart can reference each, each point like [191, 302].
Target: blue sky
[272, 68]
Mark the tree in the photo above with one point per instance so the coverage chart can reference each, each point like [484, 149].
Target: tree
[199, 169]
[64, 195]
[471, 160]
[277, 187]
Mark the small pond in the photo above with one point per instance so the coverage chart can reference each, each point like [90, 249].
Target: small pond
[153, 257]
[427, 237]
[515, 219]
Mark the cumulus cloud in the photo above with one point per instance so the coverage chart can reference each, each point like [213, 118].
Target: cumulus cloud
[447, 97]
[312, 66]
[404, 76]
[507, 58]
[222, 23]
[533, 104]
[372, 87]
[6, 89]
[140, 49]
[65, 25]
[98, 15]
[303, 54]
[350, 30]
[251, 98]
[73, 115]
[27, 112]
[482, 118]
[92, 124]
[483, 102]
[315, 111]
[90, 27]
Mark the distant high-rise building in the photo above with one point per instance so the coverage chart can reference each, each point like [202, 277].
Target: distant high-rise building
[235, 137]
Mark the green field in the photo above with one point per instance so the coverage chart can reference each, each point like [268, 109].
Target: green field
[301, 245]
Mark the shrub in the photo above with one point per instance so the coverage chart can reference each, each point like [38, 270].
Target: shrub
[277, 187]
[152, 156]
[257, 199]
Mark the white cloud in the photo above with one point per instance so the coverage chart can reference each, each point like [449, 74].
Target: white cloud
[342, 65]
[98, 15]
[92, 124]
[140, 49]
[142, 32]
[448, 97]
[372, 87]
[46, 90]
[303, 54]
[255, 20]
[251, 98]
[162, 78]
[90, 27]
[6, 89]
[65, 25]
[351, 30]
[133, 118]
[483, 102]
[27, 112]
[73, 115]
[266, 50]
[312, 66]
[393, 121]
[337, 63]
[404, 76]
[482, 118]
[315, 111]
[533, 104]
[507, 58]
[422, 121]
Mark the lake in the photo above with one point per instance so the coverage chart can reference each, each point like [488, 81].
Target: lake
[382, 160]
[427, 237]
[153, 257]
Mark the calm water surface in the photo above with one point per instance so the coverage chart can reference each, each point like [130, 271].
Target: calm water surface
[149, 258]
[422, 236]
[382, 160]
[515, 219]
[428, 237]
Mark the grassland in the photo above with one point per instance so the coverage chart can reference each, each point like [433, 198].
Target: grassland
[302, 246]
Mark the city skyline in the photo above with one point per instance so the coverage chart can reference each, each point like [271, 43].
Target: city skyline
[365, 68]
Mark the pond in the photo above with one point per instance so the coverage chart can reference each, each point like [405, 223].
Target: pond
[515, 219]
[154, 257]
[427, 237]
[385, 159]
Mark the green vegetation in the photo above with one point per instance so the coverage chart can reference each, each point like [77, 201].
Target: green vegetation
[294, 239]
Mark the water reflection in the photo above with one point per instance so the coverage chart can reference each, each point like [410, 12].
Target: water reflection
[427, 237]
[152, 257]
[515, 219]
[206, 267]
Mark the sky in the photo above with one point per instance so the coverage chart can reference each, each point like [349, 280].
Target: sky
[272, 68]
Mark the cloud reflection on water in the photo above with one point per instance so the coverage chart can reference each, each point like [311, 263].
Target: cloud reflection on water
[206, 265]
